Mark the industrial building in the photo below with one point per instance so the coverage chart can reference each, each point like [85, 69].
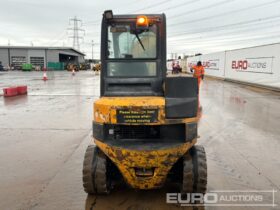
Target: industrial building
[38, 56]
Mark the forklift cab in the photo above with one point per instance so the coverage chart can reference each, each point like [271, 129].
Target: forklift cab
[133, 55]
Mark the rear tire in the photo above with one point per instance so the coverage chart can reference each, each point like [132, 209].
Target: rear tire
[188, 179]
[194, 178]
[95, 171]
[199, 169]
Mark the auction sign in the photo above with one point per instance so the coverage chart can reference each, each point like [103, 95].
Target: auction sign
[207, 64]
[255, 65]
[211, 64]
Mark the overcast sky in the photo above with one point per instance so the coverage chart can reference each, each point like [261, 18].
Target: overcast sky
[193, 26]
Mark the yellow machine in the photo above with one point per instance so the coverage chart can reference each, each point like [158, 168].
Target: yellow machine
[97, 67]
[71, 67]
[144, 124]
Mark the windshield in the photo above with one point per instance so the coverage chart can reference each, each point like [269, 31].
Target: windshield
[124, 44]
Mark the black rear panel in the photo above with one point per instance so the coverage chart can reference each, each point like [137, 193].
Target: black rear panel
[132, 87]
[145, 136]
[135, 132]
[181, 97]
[180, 132]
[176, 132]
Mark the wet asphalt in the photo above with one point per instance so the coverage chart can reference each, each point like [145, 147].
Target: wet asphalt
[43, 137]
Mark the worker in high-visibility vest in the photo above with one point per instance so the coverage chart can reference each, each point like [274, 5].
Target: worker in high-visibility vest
[198, 72]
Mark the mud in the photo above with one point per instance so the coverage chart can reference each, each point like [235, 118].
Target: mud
[43, 137]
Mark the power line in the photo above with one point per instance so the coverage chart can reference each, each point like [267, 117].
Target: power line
[152, 5]
[200, 9]
[230, 45]
[98, 20]
[55, 37]
[94, 22]
[231, 31]
[178, 5]
[230, 39]
[76, 29]
[59, 38]
[223, 43]
[224, 13]
[222, 27]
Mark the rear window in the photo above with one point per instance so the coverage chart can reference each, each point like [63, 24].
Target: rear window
[123, 43]
[131, 69]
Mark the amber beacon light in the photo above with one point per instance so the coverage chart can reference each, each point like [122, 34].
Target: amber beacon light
[142, 21]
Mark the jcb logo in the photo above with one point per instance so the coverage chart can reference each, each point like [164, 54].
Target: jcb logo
[242, 64]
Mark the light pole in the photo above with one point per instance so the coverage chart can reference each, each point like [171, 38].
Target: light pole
[92, 44]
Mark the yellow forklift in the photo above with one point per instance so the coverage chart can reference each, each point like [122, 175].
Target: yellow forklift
[144, 123]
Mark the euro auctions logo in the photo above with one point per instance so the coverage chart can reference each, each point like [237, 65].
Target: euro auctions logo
[229, 198]
[244, 64]
[257, 65]
[207, 64]
[211, 64]
[241, 64]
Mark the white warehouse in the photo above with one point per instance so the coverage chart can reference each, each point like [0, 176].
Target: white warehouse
[38, 56]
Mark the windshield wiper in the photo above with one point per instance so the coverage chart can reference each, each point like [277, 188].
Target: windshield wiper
[139, 40]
